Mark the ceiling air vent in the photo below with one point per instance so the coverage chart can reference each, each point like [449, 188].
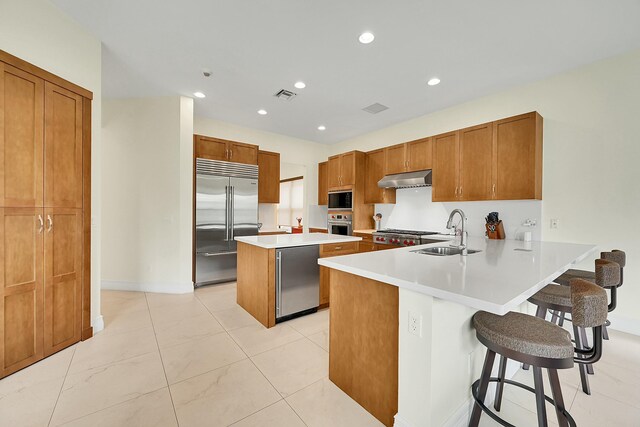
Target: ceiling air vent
[287, 95]
[375, 108]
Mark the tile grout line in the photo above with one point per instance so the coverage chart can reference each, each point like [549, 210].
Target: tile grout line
[175, 414]
[62, 386]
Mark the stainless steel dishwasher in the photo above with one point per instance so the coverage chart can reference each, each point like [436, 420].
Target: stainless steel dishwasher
[297, 281]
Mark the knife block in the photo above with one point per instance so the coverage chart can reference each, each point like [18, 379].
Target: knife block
[495, 231]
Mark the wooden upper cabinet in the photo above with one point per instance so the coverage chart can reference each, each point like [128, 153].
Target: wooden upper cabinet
[517, 152]
[446, 166]
[62, 278]
[419, 154]
[268, 177]
[395, 159]
[374, 172]
[333, 171]
[63, 147]
[21, 288]
[21, 138]
[348, 168]
[243, 153]
[323, 184]
[206, 147]
[475, 181]
[210, 148]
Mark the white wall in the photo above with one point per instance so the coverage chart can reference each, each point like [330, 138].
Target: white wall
[38, 32]
[147, 194]
[591, 156]
[292, 151]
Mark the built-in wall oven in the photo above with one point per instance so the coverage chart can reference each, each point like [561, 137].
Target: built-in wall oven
[340, 200]
[339, 224]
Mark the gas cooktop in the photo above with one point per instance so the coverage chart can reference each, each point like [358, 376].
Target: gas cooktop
[403, 237]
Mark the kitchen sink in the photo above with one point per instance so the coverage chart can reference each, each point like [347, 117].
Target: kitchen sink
[444, 251]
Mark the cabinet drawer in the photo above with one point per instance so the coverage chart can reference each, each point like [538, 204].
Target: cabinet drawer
[336, 249]
[366, 246]
[366, 237]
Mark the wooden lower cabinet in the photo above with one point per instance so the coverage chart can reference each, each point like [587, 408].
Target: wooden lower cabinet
[330, 250]
[62, 278]
[366, 246]
[363, 349]
[317, 230]
[324, 287]
[21, 288]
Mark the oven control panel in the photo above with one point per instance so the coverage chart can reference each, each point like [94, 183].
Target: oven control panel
[339, 217]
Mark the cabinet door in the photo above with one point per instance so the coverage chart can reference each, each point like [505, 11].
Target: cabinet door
[419, 155]
[324, 286]
[395, 159]
[243, 153]
[62, 278]
[21, 288]
[210, 148]
[21, 138]
[323, 184]
[375, 172]
[62, 148]
[348, 169]
[334, 172]
[518, 157]
[445, 167]
[475, 162]
[268, 177]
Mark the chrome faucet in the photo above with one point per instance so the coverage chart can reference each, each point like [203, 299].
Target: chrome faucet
[463, 235]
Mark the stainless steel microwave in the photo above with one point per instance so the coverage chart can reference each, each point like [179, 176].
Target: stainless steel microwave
[340, 200]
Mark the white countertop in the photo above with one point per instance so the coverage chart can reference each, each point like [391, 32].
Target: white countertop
[290, 240]
[498, 279]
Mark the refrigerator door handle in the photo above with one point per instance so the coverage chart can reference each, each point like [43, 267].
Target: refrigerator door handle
[226, 213]
[208, 254]
[231, 211]
[278, 282]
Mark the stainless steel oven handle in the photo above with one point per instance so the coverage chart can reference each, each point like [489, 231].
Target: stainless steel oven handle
[278, 282]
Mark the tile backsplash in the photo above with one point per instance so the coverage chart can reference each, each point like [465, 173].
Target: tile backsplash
[415, 210]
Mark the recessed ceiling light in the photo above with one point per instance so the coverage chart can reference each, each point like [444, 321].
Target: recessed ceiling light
[366, 38]
[433, 81]
[322, 127]
[300, 85]
[199, 94]
[262, 112]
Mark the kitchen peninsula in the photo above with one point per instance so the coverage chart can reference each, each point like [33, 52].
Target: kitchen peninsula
[279, 276]
[407, 347]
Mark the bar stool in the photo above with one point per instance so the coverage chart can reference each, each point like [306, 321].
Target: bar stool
[615, 255]
[557, 298]
[531, 340]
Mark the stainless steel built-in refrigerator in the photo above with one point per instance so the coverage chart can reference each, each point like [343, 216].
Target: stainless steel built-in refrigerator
[226, 207]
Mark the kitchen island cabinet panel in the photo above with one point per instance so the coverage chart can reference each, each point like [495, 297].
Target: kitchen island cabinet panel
[256, 280]
[364, 342]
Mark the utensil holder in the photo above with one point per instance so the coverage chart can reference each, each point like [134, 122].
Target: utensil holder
[495, 231]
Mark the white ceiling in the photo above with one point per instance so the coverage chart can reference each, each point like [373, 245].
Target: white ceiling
[256, 47]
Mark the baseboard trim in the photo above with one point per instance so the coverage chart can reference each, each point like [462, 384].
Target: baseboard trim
[163, 288]
[398, 421]
[623, 324]
[97, 324]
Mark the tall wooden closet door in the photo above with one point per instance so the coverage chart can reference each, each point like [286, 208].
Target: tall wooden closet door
[62, 278]
[62, 148]
[21, 288]
[21, 136]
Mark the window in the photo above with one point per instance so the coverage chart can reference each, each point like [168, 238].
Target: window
[291, 201]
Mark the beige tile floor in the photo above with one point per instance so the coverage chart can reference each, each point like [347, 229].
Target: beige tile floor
[200, 360]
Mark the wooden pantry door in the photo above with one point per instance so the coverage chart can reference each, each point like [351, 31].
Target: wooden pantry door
[63, 148]
[62, 278]
[21, 137]
[21, 288]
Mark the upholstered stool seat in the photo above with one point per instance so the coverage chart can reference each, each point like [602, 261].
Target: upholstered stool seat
[565, 277]
[524, 334]
[554, 295]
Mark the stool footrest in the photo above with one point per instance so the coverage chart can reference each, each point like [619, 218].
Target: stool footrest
[496, 418]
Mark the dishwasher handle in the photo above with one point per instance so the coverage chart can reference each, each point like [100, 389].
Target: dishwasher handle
[278, 282]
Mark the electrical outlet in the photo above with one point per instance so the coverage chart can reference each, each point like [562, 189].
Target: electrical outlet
[415, 324]
[555, 222]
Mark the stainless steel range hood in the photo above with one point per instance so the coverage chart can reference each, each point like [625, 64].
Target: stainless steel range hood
[407, 180]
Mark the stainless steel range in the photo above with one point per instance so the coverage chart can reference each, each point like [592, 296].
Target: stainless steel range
[404, 237]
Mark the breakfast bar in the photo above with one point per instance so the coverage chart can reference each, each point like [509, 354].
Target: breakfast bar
[407, 352]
